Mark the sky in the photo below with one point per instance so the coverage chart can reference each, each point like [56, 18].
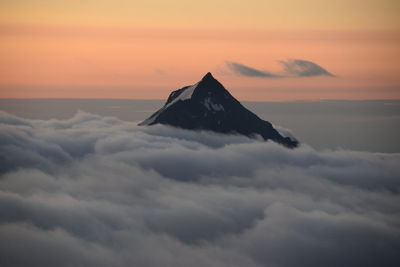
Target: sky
[145, 49]
[81, 184]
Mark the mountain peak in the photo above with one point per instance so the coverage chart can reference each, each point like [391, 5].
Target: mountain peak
[208, 82]
[207, 105]
[208, 76]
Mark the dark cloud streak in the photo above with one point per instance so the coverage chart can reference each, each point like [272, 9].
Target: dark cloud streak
[303, 68]
[247, 71]
[291, 68]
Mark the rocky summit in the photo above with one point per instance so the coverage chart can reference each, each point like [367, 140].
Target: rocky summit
[207, 105]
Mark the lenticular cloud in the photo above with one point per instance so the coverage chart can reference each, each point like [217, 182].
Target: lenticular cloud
[98, 191]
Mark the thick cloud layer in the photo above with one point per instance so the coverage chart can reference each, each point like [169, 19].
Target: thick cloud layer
[97, 191]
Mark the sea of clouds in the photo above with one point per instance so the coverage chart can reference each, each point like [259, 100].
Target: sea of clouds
[99, 191]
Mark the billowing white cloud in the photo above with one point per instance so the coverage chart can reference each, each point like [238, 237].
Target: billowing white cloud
[98, 191]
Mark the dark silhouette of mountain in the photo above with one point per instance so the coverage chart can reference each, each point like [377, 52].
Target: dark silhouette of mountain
[207, 105]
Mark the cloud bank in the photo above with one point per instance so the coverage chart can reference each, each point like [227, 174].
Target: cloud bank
[291, 68]
[98, 191]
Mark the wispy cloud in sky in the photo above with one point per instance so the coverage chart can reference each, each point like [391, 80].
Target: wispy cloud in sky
[291, 68]
[303, 68]
[247, 71]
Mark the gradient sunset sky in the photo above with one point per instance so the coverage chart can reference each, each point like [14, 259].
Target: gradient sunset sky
[145, 49]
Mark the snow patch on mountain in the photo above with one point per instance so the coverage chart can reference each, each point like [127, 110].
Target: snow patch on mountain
[212, 106]
[285, 132]
[149, 120]
[185, 95]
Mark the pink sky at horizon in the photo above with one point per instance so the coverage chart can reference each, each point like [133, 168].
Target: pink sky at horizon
[70, 56]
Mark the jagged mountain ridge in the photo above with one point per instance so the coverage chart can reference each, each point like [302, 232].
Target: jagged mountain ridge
[207, 105]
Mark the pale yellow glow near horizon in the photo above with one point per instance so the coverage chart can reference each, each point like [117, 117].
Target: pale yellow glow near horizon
[222, 14]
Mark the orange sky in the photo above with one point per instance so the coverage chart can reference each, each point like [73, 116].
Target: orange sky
[122, 49]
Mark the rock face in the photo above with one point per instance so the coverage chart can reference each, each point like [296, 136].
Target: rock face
[207, 105]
